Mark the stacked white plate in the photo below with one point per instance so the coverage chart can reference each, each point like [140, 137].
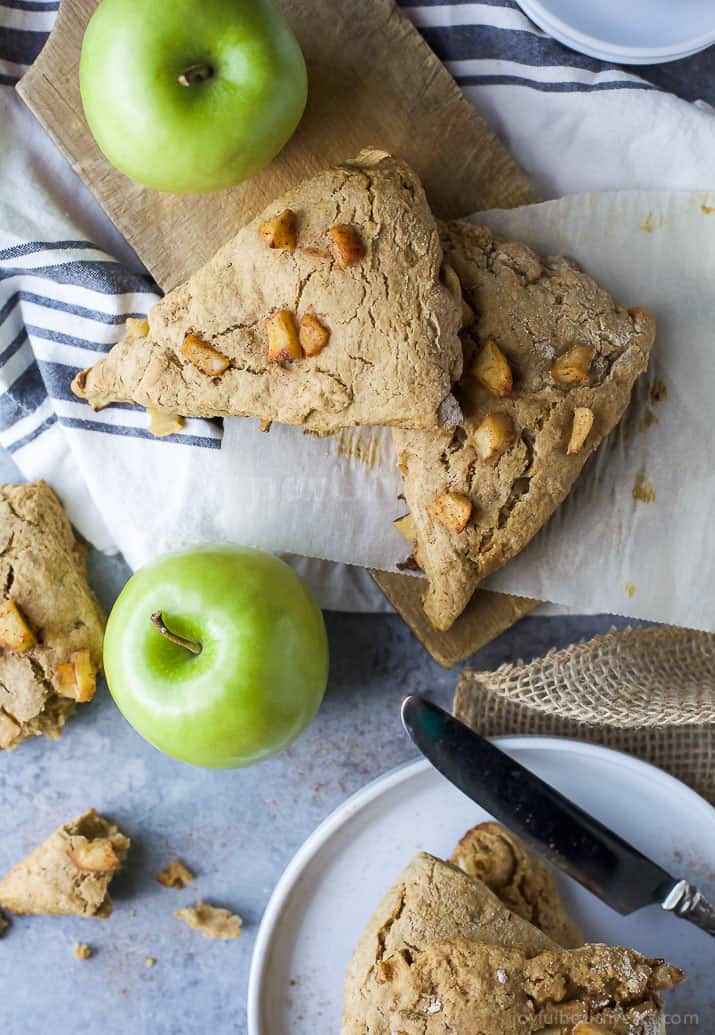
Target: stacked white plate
[627, 32]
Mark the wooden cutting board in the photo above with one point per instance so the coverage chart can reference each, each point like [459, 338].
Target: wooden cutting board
[373, 82]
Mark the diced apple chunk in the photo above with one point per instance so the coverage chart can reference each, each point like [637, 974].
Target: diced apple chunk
[162, 423]
[494, 434]
[313, 336]
[452, 510]
[94, 856]
[203, 356]
[76, 678]
[574, 366]
[15, 634]
[406, 527]
[280, 232]
[582, 424]
[283, 342]
[346, 245]
[491, 368]
[136, 327]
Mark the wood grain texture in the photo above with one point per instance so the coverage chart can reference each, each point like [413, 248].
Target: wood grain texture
[487, 616]
[373, 82]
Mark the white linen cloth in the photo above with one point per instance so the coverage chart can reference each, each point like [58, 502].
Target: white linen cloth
[67, 280]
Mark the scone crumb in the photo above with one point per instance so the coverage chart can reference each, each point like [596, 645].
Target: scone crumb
[81, 951]
[149, 962]
[212, 921]
[175, 875]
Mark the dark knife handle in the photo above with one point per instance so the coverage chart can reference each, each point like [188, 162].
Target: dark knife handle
[686, 901]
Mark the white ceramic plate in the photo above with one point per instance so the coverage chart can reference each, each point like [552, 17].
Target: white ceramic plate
[334, 882]
[627, 32]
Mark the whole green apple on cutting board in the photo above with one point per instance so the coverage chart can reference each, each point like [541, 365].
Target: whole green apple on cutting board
[217, 656]
[191, 95]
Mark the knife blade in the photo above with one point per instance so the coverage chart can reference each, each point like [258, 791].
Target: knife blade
[579, 844]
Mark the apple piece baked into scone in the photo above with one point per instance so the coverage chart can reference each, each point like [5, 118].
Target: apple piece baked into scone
[523, 882]
[331, 309]
[550, 362]
[51, 625]
[70, 872]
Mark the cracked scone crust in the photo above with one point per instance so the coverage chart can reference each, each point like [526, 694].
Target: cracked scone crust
[535, 310]
[393, 351]
[523, 882]
[476, 989]
[432, 901]
[70, 872]
[43, 571]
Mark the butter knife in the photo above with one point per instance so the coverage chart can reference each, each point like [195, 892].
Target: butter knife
[569, 837]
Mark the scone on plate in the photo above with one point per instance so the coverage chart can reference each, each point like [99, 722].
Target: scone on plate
[432, 901]
[51, 625]
[522, 881]
[550, 362]
[331, 309]
[443, 955]
[70, 872]
[475, 989]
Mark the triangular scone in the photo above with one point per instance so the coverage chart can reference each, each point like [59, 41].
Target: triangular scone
[470, 988]
[522, 881]
[328, 310]
[68, 875]
[550, 361]
[432, 901]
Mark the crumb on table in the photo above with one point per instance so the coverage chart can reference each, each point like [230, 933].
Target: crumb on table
[212, 921]
[81, 951]
[175, 875]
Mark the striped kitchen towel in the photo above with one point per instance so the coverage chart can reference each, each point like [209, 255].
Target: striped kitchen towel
[67, 280]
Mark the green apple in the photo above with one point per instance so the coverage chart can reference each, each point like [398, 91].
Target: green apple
[191, 95]
[217, 656]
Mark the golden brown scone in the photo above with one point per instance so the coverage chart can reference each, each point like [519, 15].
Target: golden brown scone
[522, 881]
[51, 625]
[433, 901]
[464, 987]
[70, 872]
[338, 319]
[550, 361]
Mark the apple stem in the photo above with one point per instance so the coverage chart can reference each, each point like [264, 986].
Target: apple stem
[158, 619]
[194, 74]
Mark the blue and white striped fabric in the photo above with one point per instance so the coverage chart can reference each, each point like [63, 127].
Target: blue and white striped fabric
[67, 280]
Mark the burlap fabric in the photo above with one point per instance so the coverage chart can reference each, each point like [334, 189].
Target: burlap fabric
[649, 692]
